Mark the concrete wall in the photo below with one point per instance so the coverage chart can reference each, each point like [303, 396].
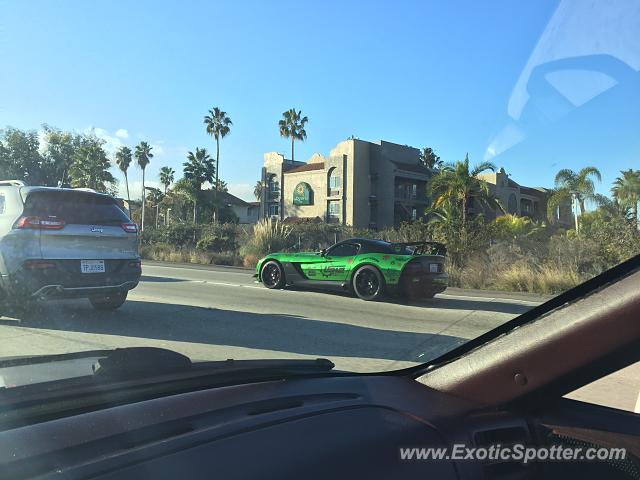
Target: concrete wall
[317, 181]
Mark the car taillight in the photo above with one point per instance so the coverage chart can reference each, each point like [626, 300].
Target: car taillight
[39, 265]
[130, 227]
[49, 223]
[135, 264]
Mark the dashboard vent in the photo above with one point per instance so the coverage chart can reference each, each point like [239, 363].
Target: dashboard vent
[503, 436]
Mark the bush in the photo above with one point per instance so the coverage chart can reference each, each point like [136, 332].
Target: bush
[268, 236]
[218, 238]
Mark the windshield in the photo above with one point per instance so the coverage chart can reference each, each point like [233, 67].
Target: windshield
[75, 208]
[504, 133]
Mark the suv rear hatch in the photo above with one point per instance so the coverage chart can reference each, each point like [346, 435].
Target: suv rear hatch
[80, 225]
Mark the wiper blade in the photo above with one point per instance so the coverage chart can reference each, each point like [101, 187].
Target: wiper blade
[144, 362]
[17, 361]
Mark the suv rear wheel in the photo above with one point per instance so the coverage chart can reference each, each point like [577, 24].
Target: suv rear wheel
[108, 302]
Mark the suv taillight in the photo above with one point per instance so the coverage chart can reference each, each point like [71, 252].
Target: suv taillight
[49, 223]
[130, 227]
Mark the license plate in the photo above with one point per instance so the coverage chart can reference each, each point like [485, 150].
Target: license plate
[434, 267]
[92, 266]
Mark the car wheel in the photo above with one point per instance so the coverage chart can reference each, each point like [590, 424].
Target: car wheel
[272, 275]
[108, 302]
[367, 283]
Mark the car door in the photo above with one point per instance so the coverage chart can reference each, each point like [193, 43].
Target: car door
[338, 261]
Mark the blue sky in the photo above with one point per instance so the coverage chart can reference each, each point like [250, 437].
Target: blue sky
[457, 76]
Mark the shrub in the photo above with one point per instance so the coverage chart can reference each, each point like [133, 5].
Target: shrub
[218, 238]
[268, 236]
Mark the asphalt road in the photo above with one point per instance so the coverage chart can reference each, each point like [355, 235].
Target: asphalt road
[213, 313]
[218, 313]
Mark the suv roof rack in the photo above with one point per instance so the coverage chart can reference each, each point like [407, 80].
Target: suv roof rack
[12, 183]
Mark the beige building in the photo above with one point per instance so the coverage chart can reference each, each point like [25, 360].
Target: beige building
[360, 183]
[523, 201]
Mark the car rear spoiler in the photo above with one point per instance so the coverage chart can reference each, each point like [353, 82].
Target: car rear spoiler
[425, 248]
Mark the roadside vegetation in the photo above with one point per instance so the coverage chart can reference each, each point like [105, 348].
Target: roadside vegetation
[187, 221]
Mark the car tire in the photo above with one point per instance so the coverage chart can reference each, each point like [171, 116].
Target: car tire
[272, 275]
[108, 302]
[367, 283]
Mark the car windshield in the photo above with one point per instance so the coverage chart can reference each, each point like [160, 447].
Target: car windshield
[75, 207]
[375, 184]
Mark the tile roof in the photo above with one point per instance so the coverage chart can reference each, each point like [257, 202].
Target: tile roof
[307, 167]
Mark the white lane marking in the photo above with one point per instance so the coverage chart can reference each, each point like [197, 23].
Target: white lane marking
[637, 408]
[2, 383]
[468, 297]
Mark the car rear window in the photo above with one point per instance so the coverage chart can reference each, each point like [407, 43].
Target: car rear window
[75, 208]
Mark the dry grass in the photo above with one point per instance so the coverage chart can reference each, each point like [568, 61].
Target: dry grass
[166, 253]
[548, 279]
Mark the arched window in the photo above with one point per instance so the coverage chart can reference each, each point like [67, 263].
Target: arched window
[334, 182]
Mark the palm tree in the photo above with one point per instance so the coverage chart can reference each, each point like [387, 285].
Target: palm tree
[123, 161]
[626, 191]
[198, 169]
[429, 158]
[143, 157]
[458, 185]
[577, 186]
[166, 177]
[257, 190]
[218, 125]
[90, 169]
[292, 126]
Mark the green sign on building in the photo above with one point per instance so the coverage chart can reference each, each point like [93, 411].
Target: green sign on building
[302, 194]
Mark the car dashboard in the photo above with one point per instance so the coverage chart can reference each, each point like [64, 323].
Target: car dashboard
[329, 427]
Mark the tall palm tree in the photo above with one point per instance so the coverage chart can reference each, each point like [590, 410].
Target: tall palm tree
[198, 169]
[166, 177]
[458, 184]
[429, 158]
[292, 126]
[626, 191]
[143, 157]
[123, 161]
[257, 190]
[218, 125]
[577, 186]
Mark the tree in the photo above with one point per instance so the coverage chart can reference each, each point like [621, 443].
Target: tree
[166, 177]
[218, 125]
[222, 186]
[20, 157]
[59, 150]
[578, 186]
[292, 126]
[143, 157]
[429, 159]
[90, 167]
[198, 169]
[459, 186]
[123, 161]
[626, 191]
[257, 190]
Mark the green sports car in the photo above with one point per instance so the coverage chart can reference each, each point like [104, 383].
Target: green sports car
[369, 268]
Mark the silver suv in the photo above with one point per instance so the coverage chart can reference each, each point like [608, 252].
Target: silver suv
[59, 242]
